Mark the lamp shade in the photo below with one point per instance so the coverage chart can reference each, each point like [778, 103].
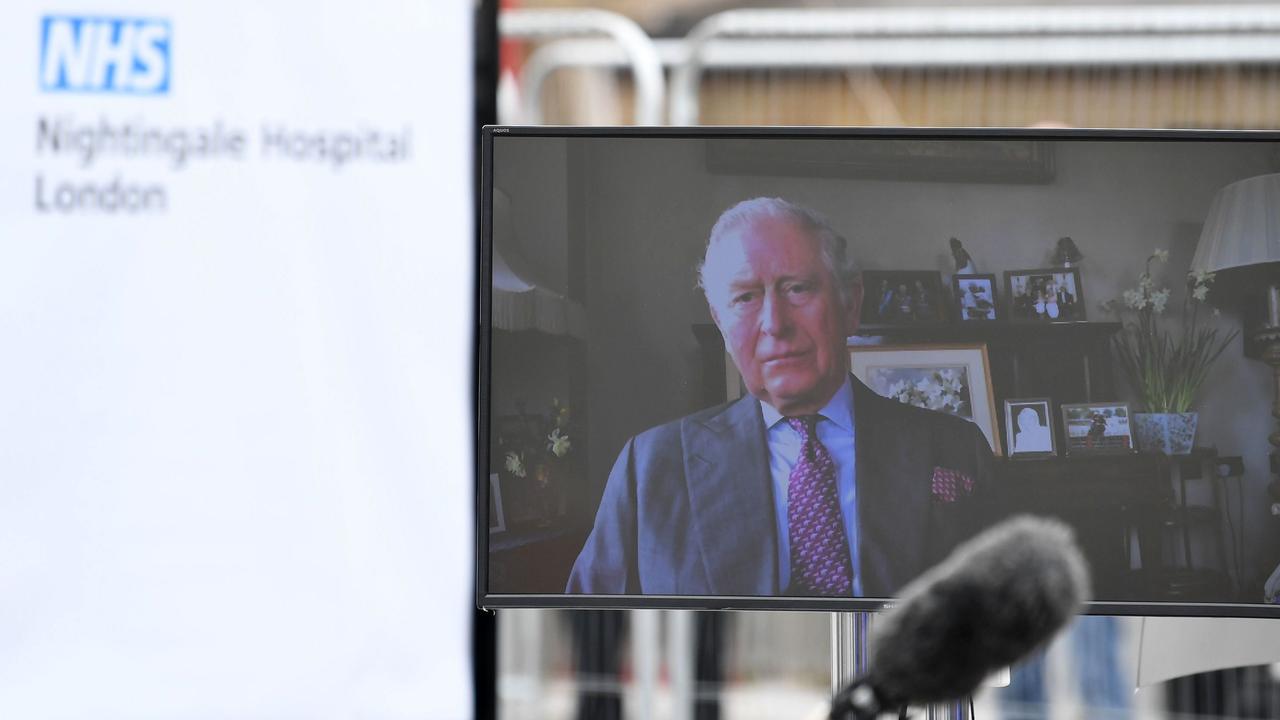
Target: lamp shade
[1243, 226]
[520, 302]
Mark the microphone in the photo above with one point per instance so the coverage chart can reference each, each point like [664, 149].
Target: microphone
[996, 598]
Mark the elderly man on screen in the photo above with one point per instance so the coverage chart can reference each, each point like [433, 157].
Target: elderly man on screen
[811, 485]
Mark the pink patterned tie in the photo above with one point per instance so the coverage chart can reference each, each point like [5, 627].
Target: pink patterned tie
[819, 551]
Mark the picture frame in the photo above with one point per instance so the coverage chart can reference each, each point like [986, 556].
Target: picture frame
[1028, 424]
[497, 518]
[1098, 428]
[976, 297]
[902, 297]
[1044, 295]
[963, 371]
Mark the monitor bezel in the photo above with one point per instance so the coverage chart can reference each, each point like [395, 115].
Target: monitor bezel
[486, 600]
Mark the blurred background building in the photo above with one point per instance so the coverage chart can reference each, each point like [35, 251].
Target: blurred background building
[955, 64]
[997, 63]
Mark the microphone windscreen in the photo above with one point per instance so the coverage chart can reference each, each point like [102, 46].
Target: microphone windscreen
[994, 600]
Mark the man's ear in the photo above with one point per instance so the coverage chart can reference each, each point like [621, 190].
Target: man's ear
[853, 307]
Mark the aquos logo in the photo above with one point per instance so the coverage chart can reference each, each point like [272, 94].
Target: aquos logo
[104, 55]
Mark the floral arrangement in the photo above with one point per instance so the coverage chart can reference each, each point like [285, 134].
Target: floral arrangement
[537, 450]
[942, 389]
[1164, 366]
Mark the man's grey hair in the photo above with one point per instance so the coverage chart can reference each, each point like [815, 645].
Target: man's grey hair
[833, 247]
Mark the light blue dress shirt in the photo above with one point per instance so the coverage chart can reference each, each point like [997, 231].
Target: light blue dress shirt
[835, 431]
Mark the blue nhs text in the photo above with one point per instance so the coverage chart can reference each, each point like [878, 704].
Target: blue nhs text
[104, 55]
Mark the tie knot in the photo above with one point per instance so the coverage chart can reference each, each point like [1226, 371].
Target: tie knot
[804, 424]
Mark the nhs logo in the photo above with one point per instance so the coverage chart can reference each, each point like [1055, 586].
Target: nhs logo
[104, 55]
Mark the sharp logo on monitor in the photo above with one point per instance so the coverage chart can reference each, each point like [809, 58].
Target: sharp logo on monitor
[104, 54]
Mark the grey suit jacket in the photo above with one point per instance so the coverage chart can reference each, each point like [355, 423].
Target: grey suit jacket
[688, 508]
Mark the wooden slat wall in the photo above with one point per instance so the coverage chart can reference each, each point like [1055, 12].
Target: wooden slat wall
[1230, 97]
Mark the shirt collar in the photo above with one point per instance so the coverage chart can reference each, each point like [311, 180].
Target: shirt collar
[839, 409]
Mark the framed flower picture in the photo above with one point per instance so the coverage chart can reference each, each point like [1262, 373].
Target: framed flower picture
[954, 379]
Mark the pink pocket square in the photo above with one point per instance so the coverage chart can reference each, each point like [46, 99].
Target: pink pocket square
[950, 485]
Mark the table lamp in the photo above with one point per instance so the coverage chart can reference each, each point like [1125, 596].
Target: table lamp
[1241, 243]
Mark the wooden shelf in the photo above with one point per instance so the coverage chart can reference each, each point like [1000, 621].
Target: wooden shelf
[985, 331]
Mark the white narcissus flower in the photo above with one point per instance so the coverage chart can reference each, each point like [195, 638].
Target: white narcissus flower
[1201, 277]
[1161, 255]
[939, 391]
[1135, 299]
[515, 465]
[955, 384]
[926, 392]
[1200, 292]
[937, 400]
[936, 381]
[1159, 299]
[558, 444]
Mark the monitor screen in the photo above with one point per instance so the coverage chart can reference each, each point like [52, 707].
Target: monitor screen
[732, 368]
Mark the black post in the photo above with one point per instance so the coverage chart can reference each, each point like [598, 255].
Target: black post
[484, 626]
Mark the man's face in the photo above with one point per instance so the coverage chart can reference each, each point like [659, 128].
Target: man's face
[780, 312]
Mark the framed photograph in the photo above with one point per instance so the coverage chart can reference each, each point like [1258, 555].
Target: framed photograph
[1049, 295]
[1028, 428]
[902, 297]
[1097, 428]
[975, 297]
[497, 518]
[954, 379]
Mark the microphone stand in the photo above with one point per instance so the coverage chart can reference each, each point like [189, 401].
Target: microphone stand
[849, 659]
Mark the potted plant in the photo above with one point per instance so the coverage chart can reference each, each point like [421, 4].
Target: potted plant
[540, 448]
[1166, 361]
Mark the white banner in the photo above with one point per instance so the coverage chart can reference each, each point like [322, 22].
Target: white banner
[235, 290]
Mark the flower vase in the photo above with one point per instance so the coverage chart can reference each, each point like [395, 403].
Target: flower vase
[546, 494]
[1168, 433]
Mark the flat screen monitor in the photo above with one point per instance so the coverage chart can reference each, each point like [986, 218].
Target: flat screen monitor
[794, 368]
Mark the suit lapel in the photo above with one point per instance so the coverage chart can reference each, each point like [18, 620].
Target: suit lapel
[731, 497]
[892, 503]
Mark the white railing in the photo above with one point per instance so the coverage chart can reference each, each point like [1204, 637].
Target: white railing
[1051, 36]
[622, 31]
